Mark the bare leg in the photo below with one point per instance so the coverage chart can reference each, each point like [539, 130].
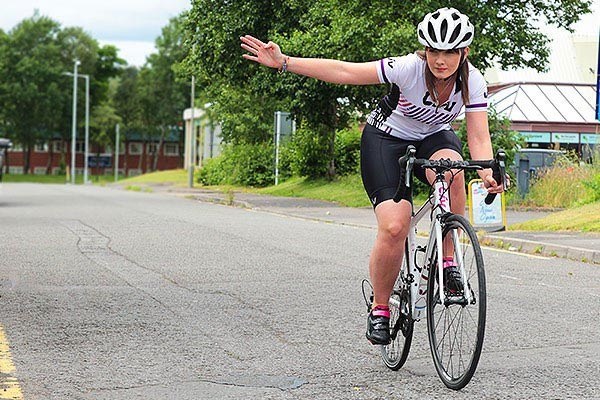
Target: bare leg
[457, 193]
[393, 220]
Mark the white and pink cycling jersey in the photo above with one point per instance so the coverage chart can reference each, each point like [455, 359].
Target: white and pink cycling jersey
[408, 112]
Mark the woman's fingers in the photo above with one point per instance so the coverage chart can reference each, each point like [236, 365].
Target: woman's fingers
[249, 57]
[250, 49]
[252, 41]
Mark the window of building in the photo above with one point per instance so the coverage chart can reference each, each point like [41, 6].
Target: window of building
[80, 146]
[57, 146]
[152, 148]
[40, 148]
[171, 149]
[136, 148]
[109, 149]
[39, 171]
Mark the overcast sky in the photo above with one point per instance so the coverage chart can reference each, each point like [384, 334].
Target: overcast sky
[131, 25]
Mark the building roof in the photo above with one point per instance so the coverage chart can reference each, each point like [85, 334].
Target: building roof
[545, 102]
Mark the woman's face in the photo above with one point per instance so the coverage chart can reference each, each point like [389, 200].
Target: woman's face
[444, 63]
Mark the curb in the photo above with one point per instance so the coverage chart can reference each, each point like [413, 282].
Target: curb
[543, 249]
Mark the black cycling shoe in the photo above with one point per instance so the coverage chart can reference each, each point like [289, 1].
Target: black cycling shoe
[453, 280]
[378, 326]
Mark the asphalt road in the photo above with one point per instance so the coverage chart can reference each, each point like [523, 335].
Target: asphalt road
[109, 294]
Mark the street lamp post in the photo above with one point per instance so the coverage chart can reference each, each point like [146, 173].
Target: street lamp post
[87, 123]
[87, 128]
[74, 127]
[192, 165]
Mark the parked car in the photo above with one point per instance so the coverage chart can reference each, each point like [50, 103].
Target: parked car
[4, 145]
[529, 162]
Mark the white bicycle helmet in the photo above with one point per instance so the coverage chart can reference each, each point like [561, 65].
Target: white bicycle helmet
[445, 29]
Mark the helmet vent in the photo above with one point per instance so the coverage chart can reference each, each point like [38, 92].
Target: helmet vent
[443, 30]
[455, 33]
[431, 31]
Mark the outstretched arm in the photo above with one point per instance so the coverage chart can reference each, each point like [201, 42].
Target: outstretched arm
[334, 71]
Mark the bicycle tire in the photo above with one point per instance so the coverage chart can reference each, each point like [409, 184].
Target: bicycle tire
[456, 331]
[394, 355]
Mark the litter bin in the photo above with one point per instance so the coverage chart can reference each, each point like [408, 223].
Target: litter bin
[529, 162]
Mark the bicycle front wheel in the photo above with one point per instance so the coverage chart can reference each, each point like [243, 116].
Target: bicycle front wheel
[456, 328]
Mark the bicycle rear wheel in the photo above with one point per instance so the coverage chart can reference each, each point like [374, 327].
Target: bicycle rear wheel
[456, 329]
[394, 355]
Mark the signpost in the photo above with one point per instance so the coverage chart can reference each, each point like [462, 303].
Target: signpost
[284, 127]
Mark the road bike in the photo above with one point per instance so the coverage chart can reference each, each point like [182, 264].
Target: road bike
[455, 319]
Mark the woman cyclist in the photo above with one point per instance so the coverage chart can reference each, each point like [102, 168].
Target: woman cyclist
[428, 91]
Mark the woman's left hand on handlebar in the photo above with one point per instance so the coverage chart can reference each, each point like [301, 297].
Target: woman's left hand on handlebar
[494, 187]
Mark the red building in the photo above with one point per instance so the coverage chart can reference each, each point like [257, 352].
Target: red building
[136, 156]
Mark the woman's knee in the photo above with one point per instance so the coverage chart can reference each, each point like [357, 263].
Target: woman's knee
[394, 230]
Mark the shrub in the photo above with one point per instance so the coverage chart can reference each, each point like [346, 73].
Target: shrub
[308, 153]
[347, 151]
[212, 172]
[240, 164]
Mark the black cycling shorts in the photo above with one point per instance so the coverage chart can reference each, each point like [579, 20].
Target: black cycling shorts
[379, 154]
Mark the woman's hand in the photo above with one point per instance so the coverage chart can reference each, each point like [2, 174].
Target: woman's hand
[268, 54]
[494, 187]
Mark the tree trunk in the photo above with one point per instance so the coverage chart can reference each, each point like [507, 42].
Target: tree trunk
[50, 157]
[331, 154]
[26, 154]
[142, 156]
[6, 162]
[125, 156]
[158, 148]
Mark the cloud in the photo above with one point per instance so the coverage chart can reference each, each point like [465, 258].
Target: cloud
[134, 52]
[130, 20]
[130, 25]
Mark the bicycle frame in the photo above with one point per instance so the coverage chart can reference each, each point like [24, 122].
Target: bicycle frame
[437, 205]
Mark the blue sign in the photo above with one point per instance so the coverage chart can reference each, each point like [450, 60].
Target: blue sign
[536, 137]
[99, 161]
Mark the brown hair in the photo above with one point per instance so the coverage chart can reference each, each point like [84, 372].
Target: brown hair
[462, 78]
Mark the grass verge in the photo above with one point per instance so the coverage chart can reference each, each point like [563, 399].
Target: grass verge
[579, 219]
[346, 190]
[176, 177]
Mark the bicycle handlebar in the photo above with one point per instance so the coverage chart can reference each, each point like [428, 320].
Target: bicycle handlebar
[408, 161]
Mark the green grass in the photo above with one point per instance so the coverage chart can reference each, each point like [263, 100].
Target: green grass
[176, 177]
[579, 219]
[52, 179]
[347, 190]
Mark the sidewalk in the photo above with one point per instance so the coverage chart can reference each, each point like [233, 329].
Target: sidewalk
[576, 246]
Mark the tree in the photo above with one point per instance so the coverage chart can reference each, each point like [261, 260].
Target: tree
[35, 95]
[356, 31]
[162, 96]
[30, 71]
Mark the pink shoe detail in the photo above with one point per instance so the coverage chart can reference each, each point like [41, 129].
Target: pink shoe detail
[448, 262]
[381, 311]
